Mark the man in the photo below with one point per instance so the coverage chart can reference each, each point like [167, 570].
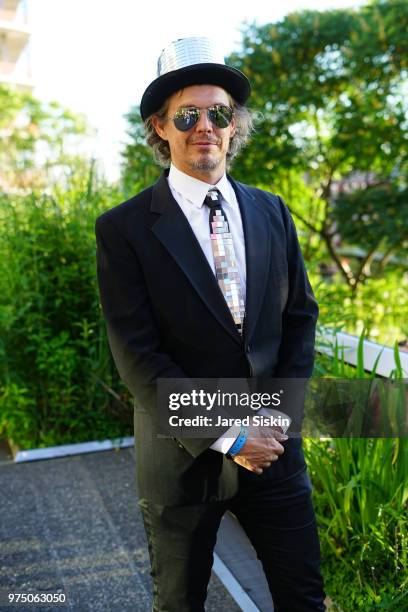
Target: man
[182, 301]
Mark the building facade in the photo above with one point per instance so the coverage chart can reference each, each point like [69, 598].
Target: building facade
[15, 34]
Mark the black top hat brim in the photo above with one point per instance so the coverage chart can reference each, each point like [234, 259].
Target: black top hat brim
[230, 79]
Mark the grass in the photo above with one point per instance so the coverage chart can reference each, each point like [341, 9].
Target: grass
[360, 492]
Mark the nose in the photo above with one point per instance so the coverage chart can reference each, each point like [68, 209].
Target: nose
[204, 124]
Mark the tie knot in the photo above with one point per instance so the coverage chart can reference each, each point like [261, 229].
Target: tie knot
[213, 198]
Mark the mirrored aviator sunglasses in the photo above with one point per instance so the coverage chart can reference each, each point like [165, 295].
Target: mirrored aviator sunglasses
[219, 115]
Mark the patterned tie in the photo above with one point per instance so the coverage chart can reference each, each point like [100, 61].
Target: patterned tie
[226, 268]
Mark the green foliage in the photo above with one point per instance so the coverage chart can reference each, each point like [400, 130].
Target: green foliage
[378, 218]
[322, 81]
[360, 499]
[57, 380]
[139, 170]
[360, 491]
[331, 89]
[380, 306]
[37, 140]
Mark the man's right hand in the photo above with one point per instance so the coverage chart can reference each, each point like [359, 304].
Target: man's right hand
[261, 448]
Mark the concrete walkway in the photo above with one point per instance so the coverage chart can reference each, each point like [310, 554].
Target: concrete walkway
[72, 525]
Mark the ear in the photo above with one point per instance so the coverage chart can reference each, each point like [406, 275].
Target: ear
[159, 128]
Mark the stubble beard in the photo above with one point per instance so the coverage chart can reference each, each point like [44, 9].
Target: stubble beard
[205, 164]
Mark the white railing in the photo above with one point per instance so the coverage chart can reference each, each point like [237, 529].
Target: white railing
[386, 364]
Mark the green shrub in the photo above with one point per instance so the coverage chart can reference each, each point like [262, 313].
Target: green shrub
[58, 383]
[360, 498]
[379, 306]
[360, 493]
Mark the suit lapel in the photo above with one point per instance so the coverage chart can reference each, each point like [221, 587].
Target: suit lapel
[256, 226]
[174, 232]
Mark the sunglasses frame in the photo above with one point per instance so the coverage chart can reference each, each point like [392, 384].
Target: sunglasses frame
[208, 109]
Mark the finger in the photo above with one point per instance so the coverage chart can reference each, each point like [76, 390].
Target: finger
[279, 435]
[247, 465]
[277, 448]
[257, 469]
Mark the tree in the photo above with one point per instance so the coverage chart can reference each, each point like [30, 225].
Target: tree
[330, 89]
[37, 140]
[138, 167]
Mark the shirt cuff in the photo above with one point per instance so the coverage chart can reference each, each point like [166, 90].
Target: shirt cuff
[224, 442]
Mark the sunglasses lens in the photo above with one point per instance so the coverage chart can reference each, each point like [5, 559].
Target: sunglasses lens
[186, 118]
[220, 115]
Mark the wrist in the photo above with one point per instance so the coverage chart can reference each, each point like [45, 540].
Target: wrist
[239, 442]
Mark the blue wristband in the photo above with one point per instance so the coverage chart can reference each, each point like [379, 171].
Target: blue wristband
[239, 442]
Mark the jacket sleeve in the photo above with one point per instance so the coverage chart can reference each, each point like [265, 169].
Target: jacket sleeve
[132, 333]
[296, 352]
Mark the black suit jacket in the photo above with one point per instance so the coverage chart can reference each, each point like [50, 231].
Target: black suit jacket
[166, 317]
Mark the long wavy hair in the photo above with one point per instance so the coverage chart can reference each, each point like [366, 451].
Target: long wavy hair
[244, 119]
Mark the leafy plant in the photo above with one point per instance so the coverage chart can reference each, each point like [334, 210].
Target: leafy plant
[360, 497]
[58, 383]
[330, 87]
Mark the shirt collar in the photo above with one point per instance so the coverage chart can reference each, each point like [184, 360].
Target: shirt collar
[193, 189]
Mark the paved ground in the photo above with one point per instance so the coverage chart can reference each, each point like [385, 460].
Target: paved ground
[72, 525]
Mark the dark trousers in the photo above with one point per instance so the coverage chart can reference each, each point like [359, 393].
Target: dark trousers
[279, 520]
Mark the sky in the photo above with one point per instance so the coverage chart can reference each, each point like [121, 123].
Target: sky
[97, 57]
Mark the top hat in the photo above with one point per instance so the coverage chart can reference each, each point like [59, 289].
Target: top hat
[191, 61]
